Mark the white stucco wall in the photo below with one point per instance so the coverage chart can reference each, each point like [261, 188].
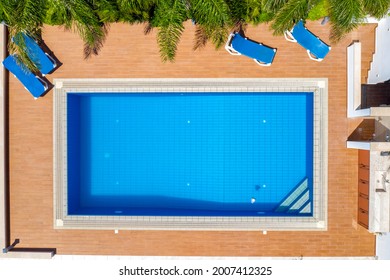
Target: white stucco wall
[383, 246]
[380, 70]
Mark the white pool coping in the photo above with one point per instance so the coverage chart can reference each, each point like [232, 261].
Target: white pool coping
[318, 86]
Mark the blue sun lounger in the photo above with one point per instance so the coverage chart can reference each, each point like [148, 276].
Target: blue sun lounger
[42, 60]
[239, 45]
[315, 47]
[34, 84]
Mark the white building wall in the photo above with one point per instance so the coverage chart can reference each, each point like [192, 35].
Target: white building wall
[380, 70]
[383, 246]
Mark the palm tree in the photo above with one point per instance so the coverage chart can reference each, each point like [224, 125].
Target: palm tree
[106, 10]
[255, 11]
[287, 14]
[347, 15]
[22, 16]
[213, 20]
[135, 11]
[168, 17]
[377, 8]
[81, 16]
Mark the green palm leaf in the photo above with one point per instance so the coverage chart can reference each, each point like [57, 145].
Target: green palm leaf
[256, 13]
[318, 10]
[23, 16]
[210, 12]
[214, 19]
[289, 14]
[133, 11]
[169, 17]
[80, 16]
[376, 8]
[135, 5]
[248, 11]
[273, 6]
[345, 16]
[107, 10]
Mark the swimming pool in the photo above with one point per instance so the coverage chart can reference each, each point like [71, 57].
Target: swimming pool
[189, 154]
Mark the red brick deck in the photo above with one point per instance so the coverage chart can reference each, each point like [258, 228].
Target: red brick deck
[128, 53]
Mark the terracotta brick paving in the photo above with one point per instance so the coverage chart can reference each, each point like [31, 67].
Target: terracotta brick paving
[128, 53]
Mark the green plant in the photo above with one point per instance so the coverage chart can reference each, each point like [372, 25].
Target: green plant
[319, 11]
[213, 19]
[169, 16]
[80, 16]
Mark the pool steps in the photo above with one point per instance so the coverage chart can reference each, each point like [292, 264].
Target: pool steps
[298, 201]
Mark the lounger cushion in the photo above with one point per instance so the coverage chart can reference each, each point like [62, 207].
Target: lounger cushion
[309, 41]
[28, 79]
[252, 49]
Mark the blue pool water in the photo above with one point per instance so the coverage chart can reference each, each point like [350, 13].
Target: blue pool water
[192, 154]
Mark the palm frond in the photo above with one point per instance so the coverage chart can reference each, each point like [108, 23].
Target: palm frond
[29, 14]
[318, 9]
[57, 14]
[219, 36]
[107, 10]
[136, 11]
[93, 37]
[214, 18]
[377, 8]
[274, 6]
[238, 9]
[20, 52]
[134, 5]
[213, 13]
[23, 16]
[256, 12]
[169, 17]
[345, 16]
[289, 14]
[249, 11]
[6, 11]
[80, 16]
[3, 17]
